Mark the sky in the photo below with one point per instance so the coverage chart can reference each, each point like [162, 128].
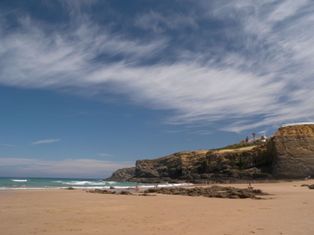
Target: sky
[89, 86]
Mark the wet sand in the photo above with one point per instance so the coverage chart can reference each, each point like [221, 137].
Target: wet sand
[289, 210]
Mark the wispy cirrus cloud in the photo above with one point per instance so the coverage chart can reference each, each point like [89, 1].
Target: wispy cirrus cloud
[45, 141]
[256, 71]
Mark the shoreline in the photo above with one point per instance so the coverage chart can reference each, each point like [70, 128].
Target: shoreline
[144, 186]
[147, 186]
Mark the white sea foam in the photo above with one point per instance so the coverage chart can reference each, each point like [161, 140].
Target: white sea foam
[82, 183]
[111, 182]
[19, 180]
[165, 185]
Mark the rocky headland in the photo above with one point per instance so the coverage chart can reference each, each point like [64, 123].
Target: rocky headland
[288, 154]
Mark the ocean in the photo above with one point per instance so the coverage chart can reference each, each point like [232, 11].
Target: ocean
[55, 183]
[47, 183]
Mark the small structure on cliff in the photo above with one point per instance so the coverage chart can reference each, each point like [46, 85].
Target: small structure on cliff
[255, 139]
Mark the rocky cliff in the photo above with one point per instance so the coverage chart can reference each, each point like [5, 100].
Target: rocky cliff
[197, 166]
[124, 174]
[288, 154]
[293, 151]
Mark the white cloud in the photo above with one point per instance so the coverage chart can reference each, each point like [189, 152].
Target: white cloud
[286, 9]
[45, 141]
[58, 168]
[271, 85]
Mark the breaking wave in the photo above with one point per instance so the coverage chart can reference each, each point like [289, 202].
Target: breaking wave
[82, 183]
[19, 180]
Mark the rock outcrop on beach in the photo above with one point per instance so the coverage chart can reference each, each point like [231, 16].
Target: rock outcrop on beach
[292, 148]
[213, 191]
[288, 154]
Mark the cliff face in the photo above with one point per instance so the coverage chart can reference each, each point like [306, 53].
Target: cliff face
[197, 166]
[175, 166]
[293, 151]
[288, 154]
[124, 174]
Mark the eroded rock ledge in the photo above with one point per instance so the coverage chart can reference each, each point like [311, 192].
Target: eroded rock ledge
[213, 191]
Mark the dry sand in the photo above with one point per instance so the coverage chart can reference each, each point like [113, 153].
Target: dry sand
[290, 210]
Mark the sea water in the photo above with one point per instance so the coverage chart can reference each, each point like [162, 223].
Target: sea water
[46, 183]
[51, 183]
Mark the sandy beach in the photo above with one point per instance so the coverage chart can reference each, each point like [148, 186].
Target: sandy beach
[288, 210]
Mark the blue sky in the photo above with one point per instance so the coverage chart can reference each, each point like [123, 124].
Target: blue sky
[89, 86]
